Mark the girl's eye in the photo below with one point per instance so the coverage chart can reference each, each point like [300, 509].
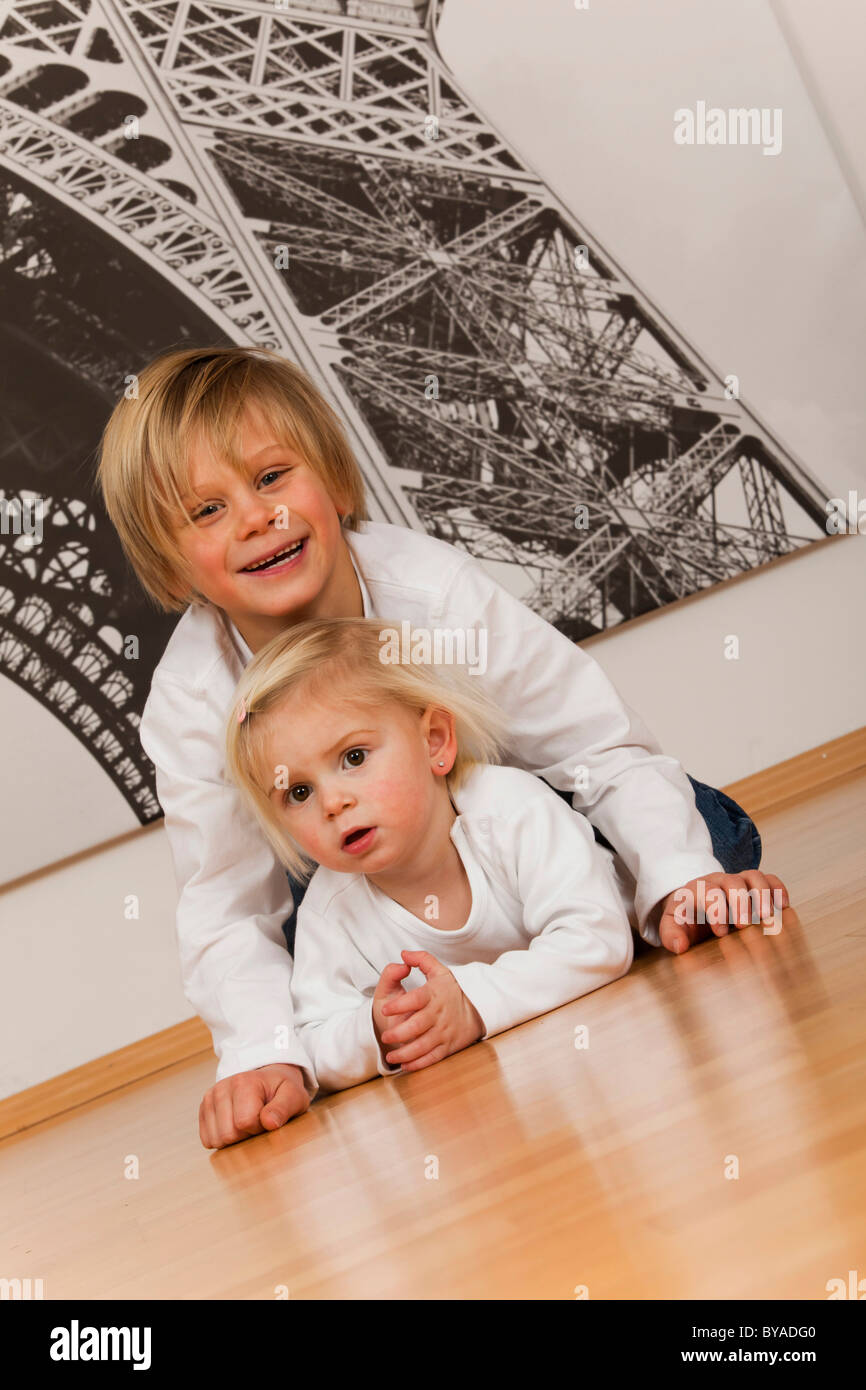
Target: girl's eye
[198, 515]
[296, 795]
[352, 754]
[274, 473]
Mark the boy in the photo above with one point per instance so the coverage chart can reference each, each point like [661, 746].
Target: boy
[237, 498]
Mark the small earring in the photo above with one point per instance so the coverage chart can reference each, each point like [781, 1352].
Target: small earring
[441, 762]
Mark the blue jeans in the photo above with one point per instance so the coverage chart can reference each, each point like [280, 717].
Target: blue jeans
[736, 842]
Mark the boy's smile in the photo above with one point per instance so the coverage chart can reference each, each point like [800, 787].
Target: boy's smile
[277, 559]
[266, 546]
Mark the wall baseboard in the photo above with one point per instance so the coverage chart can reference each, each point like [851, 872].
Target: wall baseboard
[103, 1075]
[764, 791]
[800, 776]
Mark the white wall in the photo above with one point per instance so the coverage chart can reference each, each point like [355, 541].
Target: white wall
[65, 802]
[799, 679]
[760, 261]
[761, 266]
[78, 979]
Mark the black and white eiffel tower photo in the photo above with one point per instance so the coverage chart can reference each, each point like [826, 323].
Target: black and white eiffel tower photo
[312, 178]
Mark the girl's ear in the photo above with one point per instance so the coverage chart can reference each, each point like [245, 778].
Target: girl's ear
[441, 740]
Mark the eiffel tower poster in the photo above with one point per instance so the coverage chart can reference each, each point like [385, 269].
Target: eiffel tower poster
[311, 177]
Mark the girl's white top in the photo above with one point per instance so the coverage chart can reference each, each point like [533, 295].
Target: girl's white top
[568, 725]
[547, 924]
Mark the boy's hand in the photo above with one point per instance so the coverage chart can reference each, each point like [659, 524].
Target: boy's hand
[441, 1019]
[679, 935]
[251, 1102]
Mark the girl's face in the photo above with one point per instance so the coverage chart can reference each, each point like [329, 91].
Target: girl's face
[357, 785]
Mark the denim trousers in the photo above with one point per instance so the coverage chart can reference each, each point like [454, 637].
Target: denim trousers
[736, 842]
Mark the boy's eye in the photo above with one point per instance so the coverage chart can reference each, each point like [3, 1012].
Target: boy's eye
[355, 757]
[296, 795]
[271, 474]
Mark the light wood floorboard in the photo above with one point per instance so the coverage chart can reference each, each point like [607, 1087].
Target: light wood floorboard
[557, 1167]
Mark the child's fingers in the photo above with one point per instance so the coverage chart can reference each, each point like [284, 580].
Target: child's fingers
[216, 1125]
[222, 1128]
[224, 1114]
[776, 883]
[390, 978]
[410, 1051]
[282, 1105]
[738, 912]
[766, 908]
[395, 970]
[403, 1030]
[435, 1056]
[716, 906]
[205, 1124]
[751, 881]
[727, 904]
[426, 963]
[242, 1105]
[407, 1002]
[673, 936]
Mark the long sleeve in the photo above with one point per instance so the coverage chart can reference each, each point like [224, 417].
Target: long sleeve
[332, 988]
[233, 892]
[581, 938]
[565, 714]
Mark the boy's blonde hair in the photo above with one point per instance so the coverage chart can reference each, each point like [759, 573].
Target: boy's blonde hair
[143, 467]
[344, 654]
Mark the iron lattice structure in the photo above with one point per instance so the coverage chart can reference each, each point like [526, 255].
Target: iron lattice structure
[311, 177]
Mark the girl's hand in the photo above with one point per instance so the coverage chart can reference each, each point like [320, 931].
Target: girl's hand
[389, 987]
[441, 1020]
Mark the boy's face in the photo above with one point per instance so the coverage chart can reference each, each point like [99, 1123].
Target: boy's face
[351, 767]
[279, 503]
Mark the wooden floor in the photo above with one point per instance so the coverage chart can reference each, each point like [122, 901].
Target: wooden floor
[557, 1168]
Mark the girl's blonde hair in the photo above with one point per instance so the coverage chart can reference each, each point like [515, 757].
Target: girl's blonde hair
[143, 467]
[345, 654]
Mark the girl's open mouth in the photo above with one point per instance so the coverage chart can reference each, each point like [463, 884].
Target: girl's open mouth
[359, 840]
[285, 560]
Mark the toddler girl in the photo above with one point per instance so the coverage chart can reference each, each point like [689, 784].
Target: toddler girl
[454, 897]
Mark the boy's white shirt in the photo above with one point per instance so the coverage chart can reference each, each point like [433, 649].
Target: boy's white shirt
[547, 924]
[563, 711]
